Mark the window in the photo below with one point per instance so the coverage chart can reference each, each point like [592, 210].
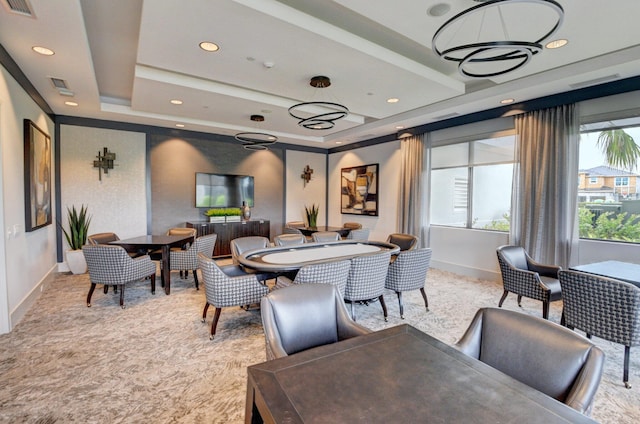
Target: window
[471, 183]
[593, 180]
[610, 209]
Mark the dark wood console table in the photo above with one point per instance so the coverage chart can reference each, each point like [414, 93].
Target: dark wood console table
[227, 231]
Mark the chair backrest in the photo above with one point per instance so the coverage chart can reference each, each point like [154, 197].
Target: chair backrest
[205, 244]
[242, 244]
[515, 256]
[106, 263]
[296, 224]
[367, 276]
[409, 270]
[182, 231]
[404, 241]
[361, 234]
[291, 230]
[102, 238]
[289, 239]
[539, 353]
[325, 236]
[302, 316]
[335, 273]
[352, 225]
[602, 307]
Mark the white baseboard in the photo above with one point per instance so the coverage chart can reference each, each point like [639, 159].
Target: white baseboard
[27, 302]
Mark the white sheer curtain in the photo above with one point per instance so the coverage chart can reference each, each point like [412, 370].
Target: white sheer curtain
[545, 187]
[412, 211]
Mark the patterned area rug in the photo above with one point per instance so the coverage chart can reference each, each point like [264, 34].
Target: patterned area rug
[154, 362]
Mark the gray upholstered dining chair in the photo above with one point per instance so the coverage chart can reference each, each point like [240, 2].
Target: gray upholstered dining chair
[325, 236]
[334, 273]
[222, 290]
[290, 239]
[366, 280]
[352, 225]
[361, 234]
[185, 260]
[404, 241]
[539, 353]
[112, 266]
[409, 272]
[602, 307]
[304, 316]
[242, 244]
[525, 277]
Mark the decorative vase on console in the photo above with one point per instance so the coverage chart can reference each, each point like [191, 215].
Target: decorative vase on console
[246, 211]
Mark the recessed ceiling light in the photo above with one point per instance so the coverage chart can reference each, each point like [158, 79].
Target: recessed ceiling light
[69, 103]
[176, 102]
[438, 9]
[556, 44]
[208, 46]
[393, 100]
[338, 142]
[43, 50]
[180, 125]
[400, 127]
[507, 101]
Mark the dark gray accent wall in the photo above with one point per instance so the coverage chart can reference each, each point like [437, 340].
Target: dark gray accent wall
[175, 160]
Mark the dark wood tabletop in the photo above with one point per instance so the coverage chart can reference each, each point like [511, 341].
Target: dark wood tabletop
[150, 242]
[397, 375]
[307, 231]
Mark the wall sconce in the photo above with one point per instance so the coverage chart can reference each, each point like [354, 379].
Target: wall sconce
[306, 174]
[104, 162]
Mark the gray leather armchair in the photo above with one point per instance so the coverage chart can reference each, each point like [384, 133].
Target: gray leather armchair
[538, 353]
[304, 316]
[404, 241]
[525, 277]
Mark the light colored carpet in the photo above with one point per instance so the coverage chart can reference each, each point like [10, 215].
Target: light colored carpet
[153, 361]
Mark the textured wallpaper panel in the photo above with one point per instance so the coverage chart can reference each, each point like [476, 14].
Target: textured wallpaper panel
[118, 202]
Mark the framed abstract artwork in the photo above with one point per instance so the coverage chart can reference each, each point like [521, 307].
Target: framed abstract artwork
[359, 190]
[37, 177]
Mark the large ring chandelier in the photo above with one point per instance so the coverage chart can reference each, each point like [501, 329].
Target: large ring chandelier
[256, 140]
[501, 54]
[318, 115]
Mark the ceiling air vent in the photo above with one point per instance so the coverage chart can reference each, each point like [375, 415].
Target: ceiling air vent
[59, 83]
[20, 7]
[595, 81]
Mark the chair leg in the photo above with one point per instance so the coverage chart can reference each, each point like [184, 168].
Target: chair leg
[400, 304]
[563, 320]
[195, 278]
[520, 300]
[545, 310]
[625, 375]
[384, 307]
[504, 296]
[214, 324]
[105, 289]
[122, 297]
[153, 283]
[424, 296]
[353, 311]
[204, 313]
[93, 287]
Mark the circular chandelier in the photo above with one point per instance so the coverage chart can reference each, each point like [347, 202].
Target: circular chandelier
[318, 115]
[493, 51]
[256, 140]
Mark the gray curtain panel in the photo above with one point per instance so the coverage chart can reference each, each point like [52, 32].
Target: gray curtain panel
[412, 216]
[544, 198]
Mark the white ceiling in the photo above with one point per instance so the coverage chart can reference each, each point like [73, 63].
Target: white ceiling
[124, 60]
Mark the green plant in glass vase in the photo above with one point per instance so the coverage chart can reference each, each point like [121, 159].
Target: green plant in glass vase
[312, 215]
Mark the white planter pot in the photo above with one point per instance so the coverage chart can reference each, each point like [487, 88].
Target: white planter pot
[76, 262]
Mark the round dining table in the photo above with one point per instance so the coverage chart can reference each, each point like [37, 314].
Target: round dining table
[283, 259]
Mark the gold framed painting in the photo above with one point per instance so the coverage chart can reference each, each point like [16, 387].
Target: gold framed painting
[37, 177]
[359, 190]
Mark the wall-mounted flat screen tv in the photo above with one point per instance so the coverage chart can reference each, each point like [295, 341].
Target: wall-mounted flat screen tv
[223, 190]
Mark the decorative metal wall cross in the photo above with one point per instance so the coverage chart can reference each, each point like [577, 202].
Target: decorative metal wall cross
[306, 174]
[104, 162]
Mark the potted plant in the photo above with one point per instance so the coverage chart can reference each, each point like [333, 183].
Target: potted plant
[233, 214]
[76, 238]
[312, 215]
[216, 214]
